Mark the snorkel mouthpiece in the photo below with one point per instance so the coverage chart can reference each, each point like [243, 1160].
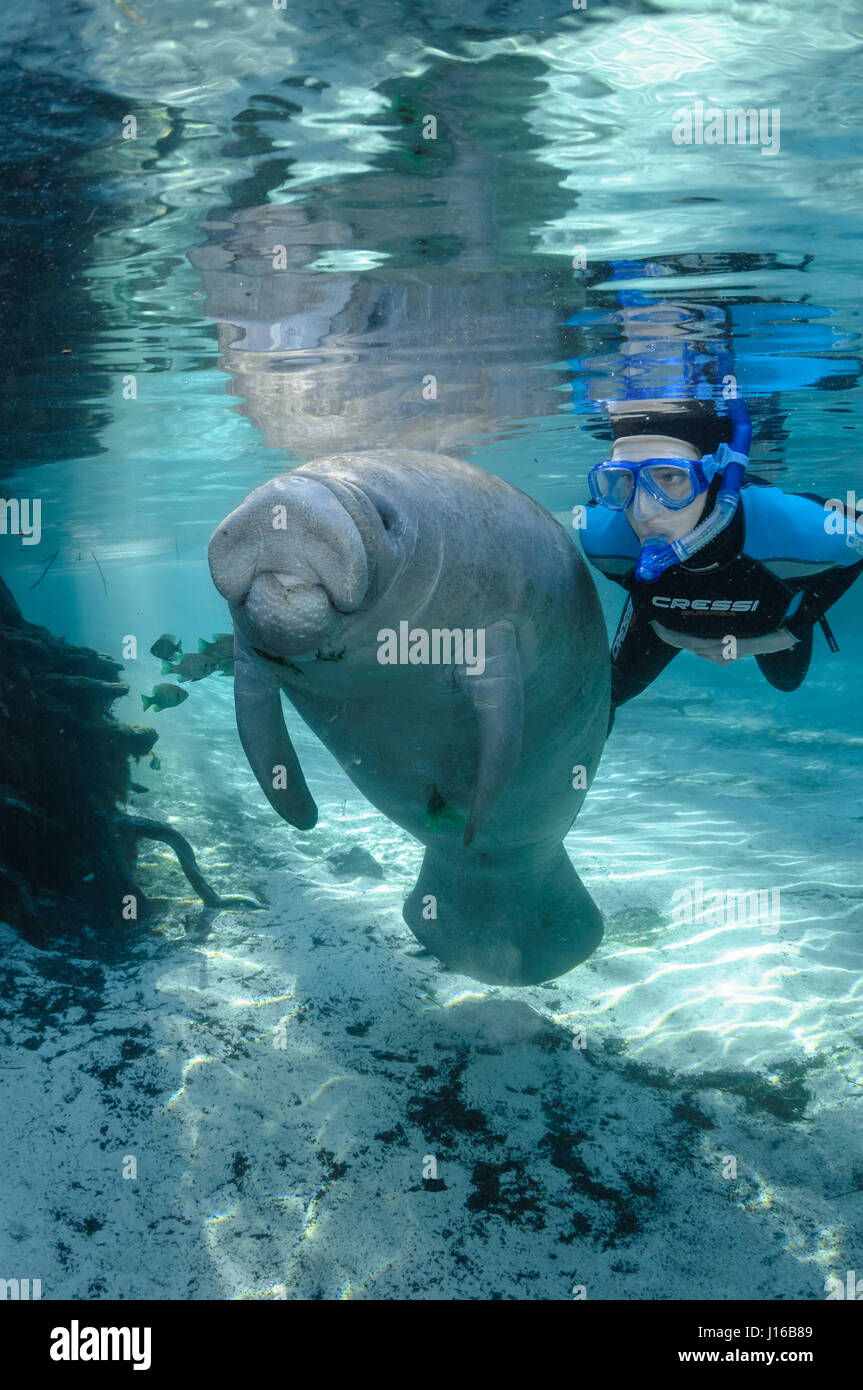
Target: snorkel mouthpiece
[658, 555]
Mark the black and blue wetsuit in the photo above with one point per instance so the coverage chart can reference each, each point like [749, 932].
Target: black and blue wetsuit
[776, 565]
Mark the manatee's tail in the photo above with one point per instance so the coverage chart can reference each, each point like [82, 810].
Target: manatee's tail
[503, 918]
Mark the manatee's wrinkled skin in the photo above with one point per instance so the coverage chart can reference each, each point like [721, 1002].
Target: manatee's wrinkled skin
[479, 767]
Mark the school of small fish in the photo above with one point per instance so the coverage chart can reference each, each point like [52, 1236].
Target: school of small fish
[217, 655]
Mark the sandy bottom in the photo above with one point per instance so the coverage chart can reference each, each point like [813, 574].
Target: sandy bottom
[316, 1110]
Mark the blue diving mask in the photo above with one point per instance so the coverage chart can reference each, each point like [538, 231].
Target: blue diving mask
[672, 482]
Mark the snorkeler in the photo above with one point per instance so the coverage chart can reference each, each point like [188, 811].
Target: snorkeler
[714, 560]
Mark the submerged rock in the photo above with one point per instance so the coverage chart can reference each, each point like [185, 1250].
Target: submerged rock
[64, 774]
[67, 848]
[354, 863]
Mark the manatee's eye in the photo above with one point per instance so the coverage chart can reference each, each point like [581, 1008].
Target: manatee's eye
[385, 512]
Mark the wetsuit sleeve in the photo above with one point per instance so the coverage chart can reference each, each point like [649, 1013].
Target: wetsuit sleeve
[796, 534]
[808, 543]
[819, 595]
[637, 655]
[609, 542]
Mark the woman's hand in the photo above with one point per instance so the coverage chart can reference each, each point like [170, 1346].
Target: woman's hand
[716, 651]
[779, 641]
[724, 650]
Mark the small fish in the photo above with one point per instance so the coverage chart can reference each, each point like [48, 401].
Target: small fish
[164, 696]
[166, 646]
[155, 763]
[226, 667]
[221, 647]
[194, 667]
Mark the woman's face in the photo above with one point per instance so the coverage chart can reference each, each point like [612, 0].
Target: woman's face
[645, 514]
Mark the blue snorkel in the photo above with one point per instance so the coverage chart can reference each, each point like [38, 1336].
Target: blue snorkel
[658, 555]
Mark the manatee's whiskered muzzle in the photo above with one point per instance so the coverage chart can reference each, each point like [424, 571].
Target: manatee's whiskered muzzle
[286, 615]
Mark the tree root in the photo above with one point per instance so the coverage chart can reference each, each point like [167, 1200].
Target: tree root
[141, 827]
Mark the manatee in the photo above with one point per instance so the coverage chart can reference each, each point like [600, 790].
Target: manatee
[349, 560]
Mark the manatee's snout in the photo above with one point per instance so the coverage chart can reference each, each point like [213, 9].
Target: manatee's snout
[284, 616]
[291, 563]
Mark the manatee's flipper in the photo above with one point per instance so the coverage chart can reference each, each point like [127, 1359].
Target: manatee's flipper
[267, 743]
[497, 696]
[503, 917]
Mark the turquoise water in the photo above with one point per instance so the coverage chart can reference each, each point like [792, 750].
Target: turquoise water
[159, 367]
